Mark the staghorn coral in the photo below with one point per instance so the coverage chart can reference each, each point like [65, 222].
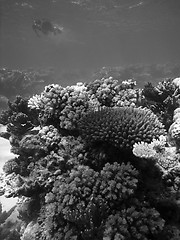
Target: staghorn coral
[121, 127]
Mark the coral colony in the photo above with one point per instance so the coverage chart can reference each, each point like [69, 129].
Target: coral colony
[96, 161]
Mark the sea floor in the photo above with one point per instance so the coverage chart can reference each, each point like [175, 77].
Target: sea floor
[5, 155]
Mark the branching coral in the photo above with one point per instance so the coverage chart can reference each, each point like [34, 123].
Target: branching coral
[121, 127]
[67, 105]
[162, 99]
[108, 92]
[165, 157]
[19, 118]
[118, 182]
[85, 197]
[75, 162]
[64, 105]
[135, 222]
[40, 161]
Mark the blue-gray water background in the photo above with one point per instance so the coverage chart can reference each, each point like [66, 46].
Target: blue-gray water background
[96, 33]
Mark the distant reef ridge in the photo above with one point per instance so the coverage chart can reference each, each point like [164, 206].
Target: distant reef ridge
[32, 81]
[96, 161]
[21, 82]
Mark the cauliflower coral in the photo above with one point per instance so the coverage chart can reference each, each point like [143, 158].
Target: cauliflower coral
[93, 164]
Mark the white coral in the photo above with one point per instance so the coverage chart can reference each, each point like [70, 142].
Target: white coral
[174, 131]
[79, 87]
[144, 150]
[176, 81]
[34, 102]
[165, 157]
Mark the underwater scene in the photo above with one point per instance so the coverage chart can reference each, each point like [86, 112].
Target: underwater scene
[89, 120]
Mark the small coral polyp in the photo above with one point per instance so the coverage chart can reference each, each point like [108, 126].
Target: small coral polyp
[121, 127]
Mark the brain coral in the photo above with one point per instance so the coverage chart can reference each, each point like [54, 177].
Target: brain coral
[121, 127]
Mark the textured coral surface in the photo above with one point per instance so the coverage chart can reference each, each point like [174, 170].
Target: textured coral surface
[121, 126]
[95, 161]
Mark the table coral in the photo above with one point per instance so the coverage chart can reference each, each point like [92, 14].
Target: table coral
[165, 157]
[121, 127]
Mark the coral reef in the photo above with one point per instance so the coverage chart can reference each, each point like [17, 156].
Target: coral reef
[165, 157]
[95, 162]
[174, 130]
[14, 82]
[162, 100]
[133, 223]
[65, 105]
[121, 127]
[8, 229]
[108, 92]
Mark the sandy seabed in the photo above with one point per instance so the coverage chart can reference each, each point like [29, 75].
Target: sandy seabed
[5, 155]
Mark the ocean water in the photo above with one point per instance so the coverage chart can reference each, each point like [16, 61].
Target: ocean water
[95, 33]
